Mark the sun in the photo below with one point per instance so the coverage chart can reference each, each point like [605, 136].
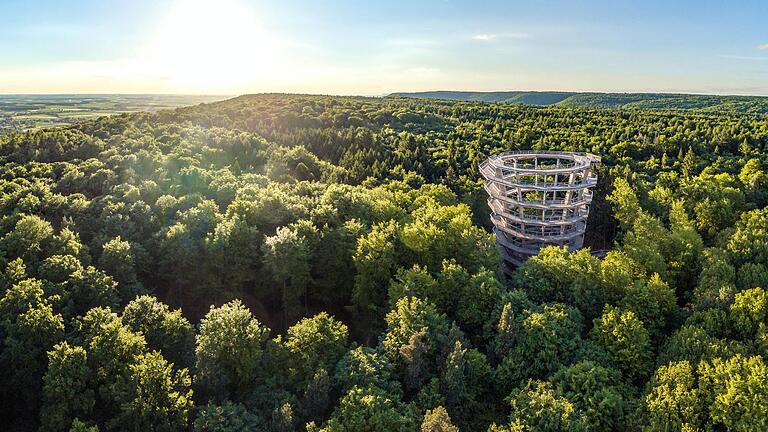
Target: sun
[205, 45]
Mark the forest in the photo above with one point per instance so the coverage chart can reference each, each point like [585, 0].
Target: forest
[742, 105]
[308, 263]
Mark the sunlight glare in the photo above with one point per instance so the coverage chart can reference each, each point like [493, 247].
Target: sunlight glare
[207, 45]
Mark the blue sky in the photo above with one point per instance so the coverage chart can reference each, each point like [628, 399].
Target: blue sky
[372, 48]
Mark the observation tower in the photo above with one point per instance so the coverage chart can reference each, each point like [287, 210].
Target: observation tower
[538, 199]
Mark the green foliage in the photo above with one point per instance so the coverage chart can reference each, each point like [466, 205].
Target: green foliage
[598, 393]
[437, 420]
[317, 343]
[363, 222]
[158, 398]
[417, 336]
[720, 394]
[370, 409]
[545, 341]
[749, 311]
[625, 339]
[66, 389]
[738, 387]
[749, 243]
[538, 407]
[673, 402]
[229, 350]
[227, 417]
[286, 257]
[164, 330]
[653, 302]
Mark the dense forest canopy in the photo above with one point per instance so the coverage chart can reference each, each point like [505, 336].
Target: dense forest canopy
[756, 105]
[288, 262]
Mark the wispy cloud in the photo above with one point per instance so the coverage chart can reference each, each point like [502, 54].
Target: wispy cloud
[763, 47]
[485, 37]
[742, 57]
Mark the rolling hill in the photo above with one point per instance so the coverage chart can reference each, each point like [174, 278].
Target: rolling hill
[757, 105]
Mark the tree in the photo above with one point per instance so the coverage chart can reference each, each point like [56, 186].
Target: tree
[416, 335]
[375, 260]
[86, 289]
[67, 395]
[752, 275]
[364, 367]
[158, 398]
[29, 240]
[692, 343]
[418, 282]
[476, 301]
[553, 273]
[625, 339]
[749, 243]
[369, 409]
[234, 248]
[653, 302]
[28, 329]
[674, 401]
[286, 257]
[598, 393]
[228, 352]
[227, 417]
[538, 407]
[739, 387]
[437, 420]
[749, 311]
[689, 163]
[316, 343]
[118, 261]
[546, 340]
[755, 180]
[164, 330]
[626, 205]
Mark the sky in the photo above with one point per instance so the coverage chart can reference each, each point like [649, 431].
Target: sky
[373, 47]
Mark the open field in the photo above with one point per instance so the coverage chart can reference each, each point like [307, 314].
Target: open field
[24, 112]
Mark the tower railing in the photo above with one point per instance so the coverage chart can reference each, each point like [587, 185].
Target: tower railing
[538, 199]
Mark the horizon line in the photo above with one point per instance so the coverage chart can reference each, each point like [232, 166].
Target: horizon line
[232, 95]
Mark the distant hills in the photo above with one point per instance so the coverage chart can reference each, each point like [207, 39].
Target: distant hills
[659, 101]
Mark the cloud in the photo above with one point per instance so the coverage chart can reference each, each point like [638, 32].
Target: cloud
[742, 57]
[485, 37]
[763, 47]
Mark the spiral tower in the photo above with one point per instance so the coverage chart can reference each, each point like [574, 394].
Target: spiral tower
[538, 199]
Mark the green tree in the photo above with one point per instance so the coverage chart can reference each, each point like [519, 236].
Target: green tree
[437, 420]
[164, 330]
[227, 417]
[316, 343]
[117, 260]
[626, 340]
[546, 340]
[370, 410]
[737, 390]
[28, 329]
[158, 398]
[286, 257]
[416, 336]
[749, 243]
[653, 302]
[598, 393]
[538, 407]
[674, 400]
[375, 260]
[229, 350]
